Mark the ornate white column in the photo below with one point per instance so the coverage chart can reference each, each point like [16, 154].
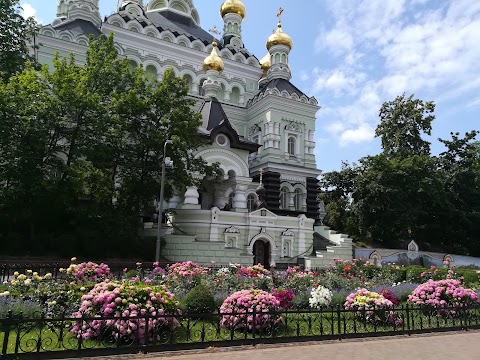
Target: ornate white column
[191, 198]
[174, 201]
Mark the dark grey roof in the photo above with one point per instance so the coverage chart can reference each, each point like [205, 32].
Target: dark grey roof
[180, 24]
[212, 114]
[215, 121]
[281, 85]
[79, 27]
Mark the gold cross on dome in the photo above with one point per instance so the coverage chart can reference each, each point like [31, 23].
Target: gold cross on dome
[214, 31]
[279, 14]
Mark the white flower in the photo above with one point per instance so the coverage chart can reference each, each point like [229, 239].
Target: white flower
[319, 297]
[28, 282]
[83, 288]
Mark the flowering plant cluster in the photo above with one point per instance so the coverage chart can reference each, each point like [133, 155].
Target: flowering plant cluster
[188, 269]
[285, 297]
[238, 308]
[389, 295]
[88, 271]
[442, 294]
[320, 297]
[253, 271]
[135, 300]
[30, 278]
[372, 307]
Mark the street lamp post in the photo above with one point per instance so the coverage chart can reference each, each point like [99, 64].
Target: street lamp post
[166, 161]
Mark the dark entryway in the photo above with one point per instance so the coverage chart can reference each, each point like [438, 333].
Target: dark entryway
[261, 252]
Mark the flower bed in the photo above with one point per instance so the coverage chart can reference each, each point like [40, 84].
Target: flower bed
[372, 307]
[123, 300]
[238, 308]
[439, 297]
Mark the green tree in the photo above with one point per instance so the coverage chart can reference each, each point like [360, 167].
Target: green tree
[82, 147]
[403, 123]
[460, 165]
[15, 35]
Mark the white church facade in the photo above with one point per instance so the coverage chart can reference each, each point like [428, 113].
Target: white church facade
[259, 126]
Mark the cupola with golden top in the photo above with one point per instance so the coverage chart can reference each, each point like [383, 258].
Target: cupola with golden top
[279, 45]
[233, 12]
[233, 7]
[213, 61]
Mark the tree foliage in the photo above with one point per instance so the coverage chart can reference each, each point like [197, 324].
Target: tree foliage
[81, 148]
[15, 35]
[406, 193]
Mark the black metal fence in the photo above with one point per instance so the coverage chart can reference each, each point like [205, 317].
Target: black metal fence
[74, 337]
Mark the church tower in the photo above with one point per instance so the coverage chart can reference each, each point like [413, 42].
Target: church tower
[233, 12]
[71, 10]
[284, 125]
[279, 45]
[213, 65]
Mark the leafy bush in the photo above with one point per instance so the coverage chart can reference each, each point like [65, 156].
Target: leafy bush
[238, 308]
[438, 296]
[285, 297]
[129, 299]
[372, 307]
[320, 297]
[200, 300]
[28, 309]
[88, 271]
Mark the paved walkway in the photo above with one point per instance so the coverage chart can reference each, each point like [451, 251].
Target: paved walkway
[457, 346]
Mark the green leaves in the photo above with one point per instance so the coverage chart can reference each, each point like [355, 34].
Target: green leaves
[403, 122]
[86, 142]
[16, 34]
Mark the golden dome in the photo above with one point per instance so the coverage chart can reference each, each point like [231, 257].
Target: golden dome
[266, 62]
[279, 38]
[213, 61]
[233, 7]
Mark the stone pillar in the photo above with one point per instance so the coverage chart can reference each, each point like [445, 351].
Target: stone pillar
[240, 199]
[191, 198]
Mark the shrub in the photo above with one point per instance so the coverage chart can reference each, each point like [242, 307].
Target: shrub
[200, 300]
[320, 297]
[88, 271]
[439, 296]
[285, 297]
[238, 308]
[28, 309]
[372, 307]
[389, 295]
[128, 300]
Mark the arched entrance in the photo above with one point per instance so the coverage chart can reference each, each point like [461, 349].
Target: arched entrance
[261, 253]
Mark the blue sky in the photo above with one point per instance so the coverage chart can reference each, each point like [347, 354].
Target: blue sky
[353, 55]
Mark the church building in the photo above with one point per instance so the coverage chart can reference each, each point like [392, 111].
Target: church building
[259, 126]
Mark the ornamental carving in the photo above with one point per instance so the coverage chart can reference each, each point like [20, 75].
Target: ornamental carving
[288, 232]
[254, 129]
[293, 127]
[232, 230]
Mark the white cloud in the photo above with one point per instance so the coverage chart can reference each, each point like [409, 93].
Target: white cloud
[28, 10]
[357, 135]
[386, 47]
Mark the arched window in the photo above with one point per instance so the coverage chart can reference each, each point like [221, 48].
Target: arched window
[201, 91]
[291, 145]
[151, 73]
[235, 96]
[188, 79]
[284, 198]
[298, 200]
[251, 199]
[230, 200]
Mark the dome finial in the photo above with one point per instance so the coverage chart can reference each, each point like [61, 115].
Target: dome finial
[213, 61]
[279, 37]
